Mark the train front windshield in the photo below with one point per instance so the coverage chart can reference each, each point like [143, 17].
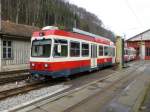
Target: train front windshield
[41, 48]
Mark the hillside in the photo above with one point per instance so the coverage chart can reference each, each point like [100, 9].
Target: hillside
[52, 12]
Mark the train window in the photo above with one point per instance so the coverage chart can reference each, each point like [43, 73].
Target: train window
[74, 49]
[101, 50]
[109, 51]
[125, 52]
[85, 49]
[147, 51]
[106, 51]
[41, 48]
[128, 52]
[112, 51]
[60, 48]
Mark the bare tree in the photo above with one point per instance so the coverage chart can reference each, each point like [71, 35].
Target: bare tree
[18, 10]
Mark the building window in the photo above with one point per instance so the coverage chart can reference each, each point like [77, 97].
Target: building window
[60, 48]
[74, 49]
[101, 51]
[147, 51]
[85, 49]
[7, 49]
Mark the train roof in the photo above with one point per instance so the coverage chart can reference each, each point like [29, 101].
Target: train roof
[88, 33]
[75, 33]
[130, 48]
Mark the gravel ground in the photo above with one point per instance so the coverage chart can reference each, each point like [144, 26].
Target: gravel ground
[32, 95]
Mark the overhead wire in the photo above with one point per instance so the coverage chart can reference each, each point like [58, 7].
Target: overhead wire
[135, 15]
[133, 12]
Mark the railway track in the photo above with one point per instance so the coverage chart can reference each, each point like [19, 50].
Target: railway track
[7, 77]
[27, 87]
[23, 89]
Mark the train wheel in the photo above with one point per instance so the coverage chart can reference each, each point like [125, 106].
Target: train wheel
[67, 78]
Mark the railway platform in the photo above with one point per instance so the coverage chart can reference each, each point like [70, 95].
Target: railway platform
[121, 91]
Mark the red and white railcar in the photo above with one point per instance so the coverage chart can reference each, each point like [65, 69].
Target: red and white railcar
[59, 53]
[129, 54]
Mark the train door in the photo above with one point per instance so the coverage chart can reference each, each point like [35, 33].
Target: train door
[93, 56]
[113, 55]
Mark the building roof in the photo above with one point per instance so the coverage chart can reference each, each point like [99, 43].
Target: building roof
[19, 30]
[145, 35]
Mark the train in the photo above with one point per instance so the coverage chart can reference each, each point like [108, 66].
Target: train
[129, 54]
[60, 53]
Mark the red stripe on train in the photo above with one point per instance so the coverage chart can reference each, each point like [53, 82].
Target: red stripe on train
[103, 60]
[57, 66]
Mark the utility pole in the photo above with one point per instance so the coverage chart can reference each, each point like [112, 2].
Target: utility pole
[124, 44]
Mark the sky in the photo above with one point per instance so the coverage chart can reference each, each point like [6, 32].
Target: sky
[124, 17]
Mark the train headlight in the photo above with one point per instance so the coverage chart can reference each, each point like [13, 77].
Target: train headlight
[45, 65]
[32, 64]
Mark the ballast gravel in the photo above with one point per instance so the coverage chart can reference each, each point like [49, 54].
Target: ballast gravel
[32, 95]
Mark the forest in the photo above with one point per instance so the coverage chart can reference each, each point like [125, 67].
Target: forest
[41, 13]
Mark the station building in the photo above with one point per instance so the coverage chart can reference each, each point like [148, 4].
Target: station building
[15, 46]
[141, 42]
